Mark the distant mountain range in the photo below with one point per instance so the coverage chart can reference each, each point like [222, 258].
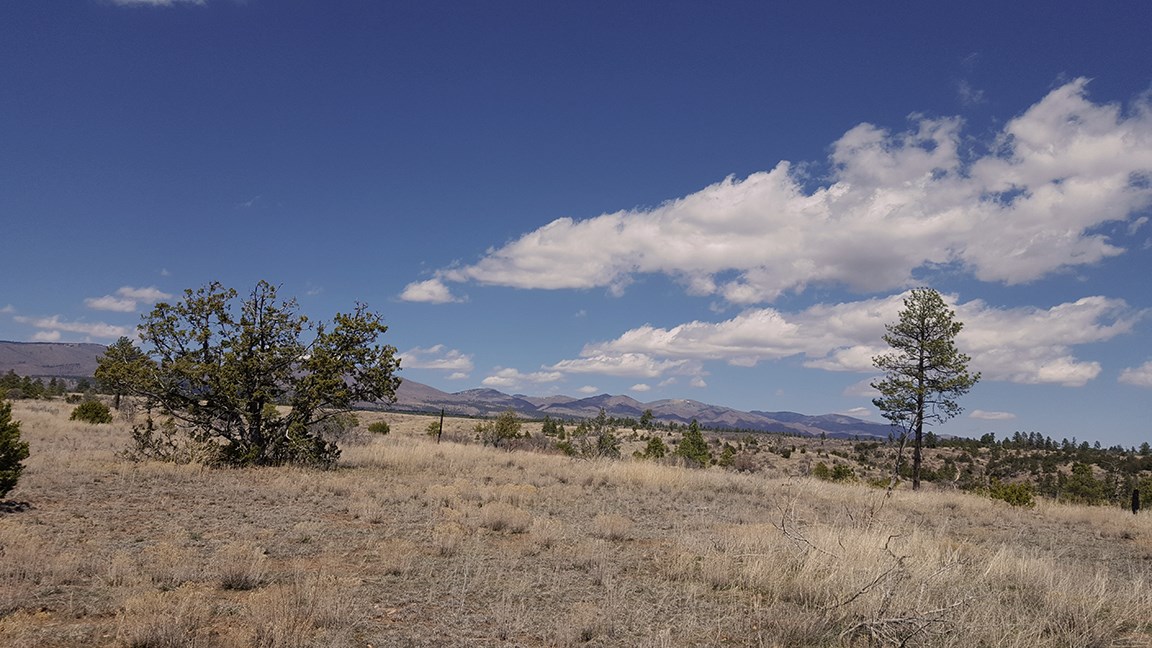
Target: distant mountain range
[79, 360]
[50, 359]
[414, 396]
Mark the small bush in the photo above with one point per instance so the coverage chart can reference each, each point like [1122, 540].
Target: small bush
[841, 472]
[821, 471]
[379, 427]
[91, 411]
[1019, 494]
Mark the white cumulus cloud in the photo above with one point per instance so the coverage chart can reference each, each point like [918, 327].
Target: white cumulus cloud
[1139, 376]
[432, 291]
[896, 202]
[508, 378]
[437, 357]
[1022, 345]
[126, 299]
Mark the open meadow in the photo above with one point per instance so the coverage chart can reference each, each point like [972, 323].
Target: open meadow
[413, 543]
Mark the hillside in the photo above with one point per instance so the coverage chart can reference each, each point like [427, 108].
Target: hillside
[50, 359]
[415, 543]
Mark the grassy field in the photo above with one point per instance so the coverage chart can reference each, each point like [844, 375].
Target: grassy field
[410, 543]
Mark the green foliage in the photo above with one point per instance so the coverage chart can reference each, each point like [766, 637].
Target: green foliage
[821, 471]
[654, 450]
[1016, 494]
[693, 448]
[925, 373]
[91, 411]
[214, 365]
[379, 427]
[120, 368]
[506, 427]
[13, 451]
[551, 428]
[15, 387]
[646, 419]
[727, 456]
[433, 428]
[837, 473]
[843, 472]
[595, 437]
[1082, 486]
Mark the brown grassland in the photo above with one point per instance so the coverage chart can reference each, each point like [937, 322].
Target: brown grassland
[410, 543]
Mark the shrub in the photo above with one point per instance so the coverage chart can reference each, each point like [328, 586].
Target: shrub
[91, 411]
[505, 427]
[379, 427]
[12, 450]
[654, 450]
[693, 448]
[841, 472]
[1018, 494]
[821, 471]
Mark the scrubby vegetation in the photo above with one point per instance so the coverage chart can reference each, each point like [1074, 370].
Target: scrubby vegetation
[91, 411]
[416, 543]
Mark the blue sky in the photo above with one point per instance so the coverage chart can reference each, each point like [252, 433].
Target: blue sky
[715, 201]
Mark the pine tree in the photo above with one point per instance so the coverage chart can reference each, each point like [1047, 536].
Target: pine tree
[693, 448]
[925, 373]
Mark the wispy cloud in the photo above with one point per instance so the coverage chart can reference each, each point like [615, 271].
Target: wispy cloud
[54, 325]
[438, 357]
[156, 3]
[126, 299]
[507, 378]
[7, 309]
[992, 416]
[640, 387]
[968, 94]
[897, 203]
[589, 390]
[111, 303]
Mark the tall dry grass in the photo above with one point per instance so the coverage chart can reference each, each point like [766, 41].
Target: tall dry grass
[411, 543]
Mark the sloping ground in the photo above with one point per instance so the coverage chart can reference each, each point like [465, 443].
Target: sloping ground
[411, 543]
[73, 360]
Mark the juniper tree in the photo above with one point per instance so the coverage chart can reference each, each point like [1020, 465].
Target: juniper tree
[120, 367]
[215, 366]
[925, 373]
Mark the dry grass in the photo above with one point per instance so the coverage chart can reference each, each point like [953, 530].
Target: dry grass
[410, 543]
